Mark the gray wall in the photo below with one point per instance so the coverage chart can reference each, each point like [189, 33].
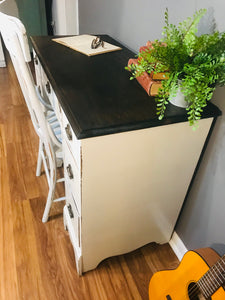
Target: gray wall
[132, 22]
[9, 7]
[202, 221]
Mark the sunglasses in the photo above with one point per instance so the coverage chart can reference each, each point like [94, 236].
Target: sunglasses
[97, 42]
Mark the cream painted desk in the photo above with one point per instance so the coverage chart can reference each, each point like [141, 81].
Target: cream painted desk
[127, 173]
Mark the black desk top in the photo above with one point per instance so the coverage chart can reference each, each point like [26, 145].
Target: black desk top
[96, 93]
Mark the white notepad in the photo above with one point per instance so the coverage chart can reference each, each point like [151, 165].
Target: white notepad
[82, 43]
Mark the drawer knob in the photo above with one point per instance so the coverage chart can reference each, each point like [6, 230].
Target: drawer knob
[35, 60]
[70, 211]
[48, 88]
[69, 171]
[68, 132]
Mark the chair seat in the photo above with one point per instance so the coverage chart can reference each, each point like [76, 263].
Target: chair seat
[54, 124]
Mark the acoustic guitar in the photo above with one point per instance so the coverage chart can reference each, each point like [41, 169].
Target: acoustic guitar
[200, 275]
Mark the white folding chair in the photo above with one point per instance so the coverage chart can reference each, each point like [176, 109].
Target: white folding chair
[49, 144]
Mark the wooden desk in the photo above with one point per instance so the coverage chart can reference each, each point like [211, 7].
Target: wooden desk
[127, 173]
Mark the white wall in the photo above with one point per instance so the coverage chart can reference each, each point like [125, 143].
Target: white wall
[65, 17]
[9, 7]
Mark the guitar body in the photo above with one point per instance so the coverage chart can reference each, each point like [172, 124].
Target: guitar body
[176, 284]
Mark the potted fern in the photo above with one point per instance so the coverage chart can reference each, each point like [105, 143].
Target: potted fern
[194, 65]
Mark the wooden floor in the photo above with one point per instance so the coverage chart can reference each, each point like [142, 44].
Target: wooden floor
[36, 259]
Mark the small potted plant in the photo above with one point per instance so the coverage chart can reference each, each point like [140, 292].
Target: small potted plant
[194, 65]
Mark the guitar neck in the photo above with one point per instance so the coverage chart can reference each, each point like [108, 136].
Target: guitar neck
[213, 279]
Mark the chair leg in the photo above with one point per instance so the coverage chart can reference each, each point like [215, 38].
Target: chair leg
[39, 160]
[64, 219]
[59, 162]
[48, 203]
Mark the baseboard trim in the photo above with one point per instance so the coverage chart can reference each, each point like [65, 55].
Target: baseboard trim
[2, 64]
[177, 245]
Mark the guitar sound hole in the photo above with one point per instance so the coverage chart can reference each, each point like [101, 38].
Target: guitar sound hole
[194, 292]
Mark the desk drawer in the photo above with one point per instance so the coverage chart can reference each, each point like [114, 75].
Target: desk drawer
[72, 177]
[38, 72]
[74, 220]
[47, 90]
[44, 87]
[57, 109]
[73, 143]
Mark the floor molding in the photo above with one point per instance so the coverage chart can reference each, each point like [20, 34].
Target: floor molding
[2, 64]
[2, 56]
[177, 245]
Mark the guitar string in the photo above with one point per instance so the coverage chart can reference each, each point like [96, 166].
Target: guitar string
[215, 277]
[194, 291]
[218, 265]
[223, 273]
[223, 270]
[199, 288]
[203, 281]
[202, 287]
[206, 290]
[195, 288]
[212, 286]
[213, 269]
[218, 275]
[217, 272]
[223, 263]
[222, 260]
[207, 278]
[201, 284]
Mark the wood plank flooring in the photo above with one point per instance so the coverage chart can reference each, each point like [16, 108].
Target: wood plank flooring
[36, 259]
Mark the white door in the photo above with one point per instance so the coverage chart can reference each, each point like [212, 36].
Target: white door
[65, 17]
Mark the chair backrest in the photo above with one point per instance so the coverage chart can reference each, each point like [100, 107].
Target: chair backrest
[15, 40]
[22, 36]
[13, 31]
